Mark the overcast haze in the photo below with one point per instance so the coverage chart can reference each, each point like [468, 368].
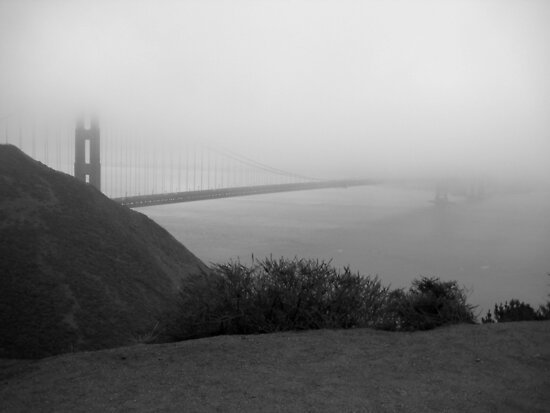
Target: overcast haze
[366, 87]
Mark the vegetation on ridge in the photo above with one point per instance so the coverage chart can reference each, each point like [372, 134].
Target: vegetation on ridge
[297, 294]
[517, 310]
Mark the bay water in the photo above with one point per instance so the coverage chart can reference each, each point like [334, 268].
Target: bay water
[498, 248]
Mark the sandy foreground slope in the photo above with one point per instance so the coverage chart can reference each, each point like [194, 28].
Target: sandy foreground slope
[465, 368]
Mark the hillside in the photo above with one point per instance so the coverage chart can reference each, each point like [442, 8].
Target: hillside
[462, 368]
[77, 270]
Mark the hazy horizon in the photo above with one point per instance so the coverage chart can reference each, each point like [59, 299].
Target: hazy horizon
[358, 88]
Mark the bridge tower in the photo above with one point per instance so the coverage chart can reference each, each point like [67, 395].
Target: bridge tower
[87, 165]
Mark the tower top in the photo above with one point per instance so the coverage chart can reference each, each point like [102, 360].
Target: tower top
[88, 122]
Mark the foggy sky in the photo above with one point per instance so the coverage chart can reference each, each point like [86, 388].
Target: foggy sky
[321, 87]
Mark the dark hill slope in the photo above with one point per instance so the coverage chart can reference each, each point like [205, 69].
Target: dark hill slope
[77, 270]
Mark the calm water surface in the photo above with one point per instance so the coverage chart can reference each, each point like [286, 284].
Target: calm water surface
[498, 248]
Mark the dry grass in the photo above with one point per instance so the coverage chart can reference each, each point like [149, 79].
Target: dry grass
[463, 368]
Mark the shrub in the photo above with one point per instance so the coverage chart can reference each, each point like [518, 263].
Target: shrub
[429, 303]
[276, 295]
[544, 311]
[516, 310]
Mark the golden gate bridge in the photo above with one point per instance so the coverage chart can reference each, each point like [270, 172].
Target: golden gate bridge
[137, 170]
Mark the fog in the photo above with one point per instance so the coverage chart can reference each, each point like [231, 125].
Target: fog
[392, 89]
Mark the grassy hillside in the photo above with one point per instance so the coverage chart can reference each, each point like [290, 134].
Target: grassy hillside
[77, 271]
[463, 368]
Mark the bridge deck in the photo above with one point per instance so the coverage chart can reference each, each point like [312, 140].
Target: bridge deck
[189, 196]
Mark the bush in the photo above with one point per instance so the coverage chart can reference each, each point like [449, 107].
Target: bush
[277, 295]
[516, 310]
[544, 311]
[429, 303]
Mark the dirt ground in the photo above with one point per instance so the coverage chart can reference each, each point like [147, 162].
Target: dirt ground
[466, 368]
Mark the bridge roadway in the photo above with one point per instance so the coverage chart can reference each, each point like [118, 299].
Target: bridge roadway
[189, 196]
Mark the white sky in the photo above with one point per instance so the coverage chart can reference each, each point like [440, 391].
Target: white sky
[319, 87]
